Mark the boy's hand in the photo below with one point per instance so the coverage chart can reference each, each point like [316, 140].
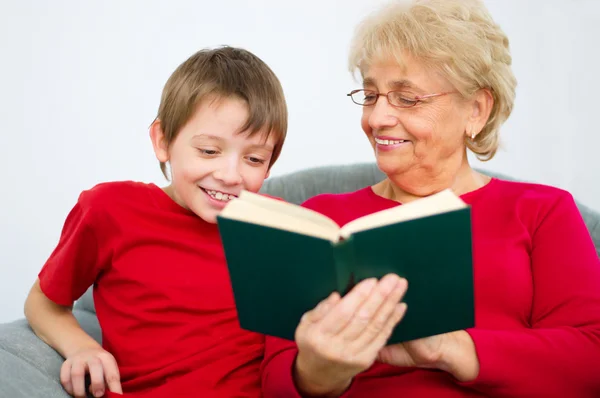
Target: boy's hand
[100, 364]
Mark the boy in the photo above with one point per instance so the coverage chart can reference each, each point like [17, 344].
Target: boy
[154, 256]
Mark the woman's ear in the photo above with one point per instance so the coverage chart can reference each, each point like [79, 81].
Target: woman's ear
[483, 102]
[161, 149]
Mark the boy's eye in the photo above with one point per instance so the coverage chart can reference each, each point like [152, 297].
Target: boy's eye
[208, 152]
[256, 160]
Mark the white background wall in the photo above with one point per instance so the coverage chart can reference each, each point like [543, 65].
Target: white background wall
[80, 82]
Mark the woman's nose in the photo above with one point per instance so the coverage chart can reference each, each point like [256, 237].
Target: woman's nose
[382, 114]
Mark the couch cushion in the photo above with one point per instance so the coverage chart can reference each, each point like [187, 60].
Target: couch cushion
[17, 339]
[22, 380]
[298, 186]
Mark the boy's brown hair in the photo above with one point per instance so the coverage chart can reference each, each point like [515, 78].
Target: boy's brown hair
[224, 72]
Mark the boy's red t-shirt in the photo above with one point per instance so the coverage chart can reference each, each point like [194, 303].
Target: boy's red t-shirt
[161, 290]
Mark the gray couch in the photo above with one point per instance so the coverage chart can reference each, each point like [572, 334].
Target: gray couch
[29, 368]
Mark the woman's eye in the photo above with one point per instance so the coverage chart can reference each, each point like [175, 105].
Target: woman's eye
[402, 99]
[408, 101]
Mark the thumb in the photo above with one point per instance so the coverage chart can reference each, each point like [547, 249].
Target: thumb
[394, 355]
[384, 355]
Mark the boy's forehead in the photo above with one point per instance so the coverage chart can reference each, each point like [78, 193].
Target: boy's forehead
[260, 138]
[229, 118]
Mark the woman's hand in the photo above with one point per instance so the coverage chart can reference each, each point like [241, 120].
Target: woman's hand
[451, 352]
[342, 337]
[102, 367]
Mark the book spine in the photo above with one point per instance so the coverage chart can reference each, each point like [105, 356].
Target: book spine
[344, 258]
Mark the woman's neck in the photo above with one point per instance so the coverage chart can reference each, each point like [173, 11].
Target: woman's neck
[413, 185]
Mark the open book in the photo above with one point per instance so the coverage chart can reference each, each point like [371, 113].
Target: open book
[283, 259]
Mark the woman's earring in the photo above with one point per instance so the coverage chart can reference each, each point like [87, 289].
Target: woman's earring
[471, 134]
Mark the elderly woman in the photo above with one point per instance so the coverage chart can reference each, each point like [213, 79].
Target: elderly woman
[437, 82]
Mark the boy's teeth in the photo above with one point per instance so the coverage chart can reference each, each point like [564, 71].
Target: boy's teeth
[220, 195]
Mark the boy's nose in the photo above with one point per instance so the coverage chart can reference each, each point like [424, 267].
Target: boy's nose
[229, 175]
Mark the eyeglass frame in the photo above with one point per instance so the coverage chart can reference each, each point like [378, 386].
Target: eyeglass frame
[417, 99]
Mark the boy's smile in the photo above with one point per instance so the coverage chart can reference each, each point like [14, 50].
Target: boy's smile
[212, 160]
[219, 196]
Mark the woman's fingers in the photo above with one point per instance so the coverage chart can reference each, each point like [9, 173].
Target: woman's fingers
[322, 308]
[387, 311]
[342, 313]
[310, 320]
[371, 317]
[381, 339]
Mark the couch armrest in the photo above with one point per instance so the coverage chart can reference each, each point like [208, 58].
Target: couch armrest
[19, 379]
[28, 364]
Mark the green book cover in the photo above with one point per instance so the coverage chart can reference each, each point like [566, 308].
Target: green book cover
[284, 260]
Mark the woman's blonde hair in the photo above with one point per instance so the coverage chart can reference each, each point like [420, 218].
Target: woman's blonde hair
[456, 37]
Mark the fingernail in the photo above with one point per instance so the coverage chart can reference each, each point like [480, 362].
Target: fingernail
[322, 306]
[389, 282]
[402, 283]
[368, 284]
[326, 304]
[401, 308]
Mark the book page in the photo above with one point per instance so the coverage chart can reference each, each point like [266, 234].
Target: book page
[440, 202]
[257, 209]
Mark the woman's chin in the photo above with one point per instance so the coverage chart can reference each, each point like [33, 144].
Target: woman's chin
[390, 165]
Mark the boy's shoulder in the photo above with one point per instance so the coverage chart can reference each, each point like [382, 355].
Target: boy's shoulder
[109, 193]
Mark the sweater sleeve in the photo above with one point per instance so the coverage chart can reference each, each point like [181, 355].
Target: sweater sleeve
[560, 354]
[276, 369]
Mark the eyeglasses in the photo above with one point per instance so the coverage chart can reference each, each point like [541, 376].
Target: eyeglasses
[399, 99]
